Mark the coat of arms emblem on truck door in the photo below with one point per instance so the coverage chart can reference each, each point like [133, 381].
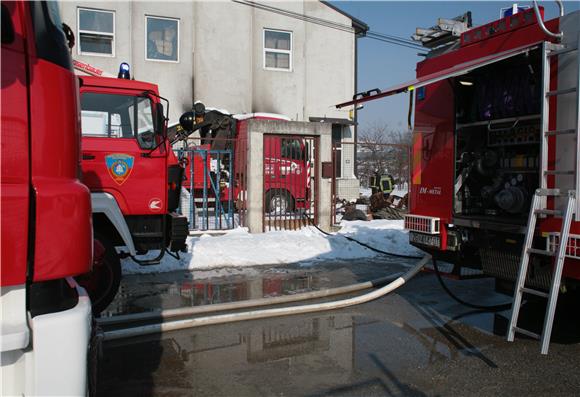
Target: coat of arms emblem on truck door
[119, 166]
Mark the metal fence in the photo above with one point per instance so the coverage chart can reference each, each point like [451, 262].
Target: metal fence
[353, 165]
[214, 186]
[290, 188]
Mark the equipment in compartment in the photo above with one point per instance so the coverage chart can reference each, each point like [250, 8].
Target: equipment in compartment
[497, 153]
[496, 169]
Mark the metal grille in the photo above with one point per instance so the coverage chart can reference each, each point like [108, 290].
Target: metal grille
[504, 265]
[422, 224]
[290, 183]
[214, 186]
[572, 249]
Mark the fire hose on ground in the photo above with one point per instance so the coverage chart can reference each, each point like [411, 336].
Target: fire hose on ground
[396, 281]
[258, 314]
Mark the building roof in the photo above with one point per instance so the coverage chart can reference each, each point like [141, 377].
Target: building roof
[332, 120]
[359, 26]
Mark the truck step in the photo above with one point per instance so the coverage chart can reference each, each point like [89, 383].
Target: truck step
[534, 292]
[527, 333]
[567, 131]
[557, 172]
[561, 92]
[540, 252]
[548, 212]
[564, 50]
[550, 192]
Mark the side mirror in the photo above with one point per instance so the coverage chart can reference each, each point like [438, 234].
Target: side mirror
[159, 119]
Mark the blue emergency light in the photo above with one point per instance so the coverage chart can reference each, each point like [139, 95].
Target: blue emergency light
[124, 71]
[514, 9]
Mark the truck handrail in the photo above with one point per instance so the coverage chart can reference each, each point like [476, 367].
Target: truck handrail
[558, 35]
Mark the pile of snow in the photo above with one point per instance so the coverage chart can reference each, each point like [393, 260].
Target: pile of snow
[365, 191]
[238, 248]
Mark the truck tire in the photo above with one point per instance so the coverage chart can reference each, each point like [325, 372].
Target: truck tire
[279, 201]
[102, 283]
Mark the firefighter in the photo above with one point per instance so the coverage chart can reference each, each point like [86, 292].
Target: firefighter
[382, 183]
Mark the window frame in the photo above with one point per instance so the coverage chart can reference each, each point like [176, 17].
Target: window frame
[106, 34]
[133, 123]
[278, 51]
[178, 39]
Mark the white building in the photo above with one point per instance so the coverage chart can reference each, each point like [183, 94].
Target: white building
[277, 57]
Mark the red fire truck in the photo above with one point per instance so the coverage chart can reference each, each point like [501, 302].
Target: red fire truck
[45, 210]
[133, 175]
[495, 179]
[286, 162]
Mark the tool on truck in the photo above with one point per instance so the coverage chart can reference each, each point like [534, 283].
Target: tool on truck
[133, 174]
[45, 210]
[495, 179]
[228, 135]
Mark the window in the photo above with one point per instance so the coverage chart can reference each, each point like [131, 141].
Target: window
[277, 50]
[114, 116]
[162, 37]
[292, 149]
[96, 32]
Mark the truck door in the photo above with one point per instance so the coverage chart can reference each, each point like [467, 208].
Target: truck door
[15, 148]
[121, 155]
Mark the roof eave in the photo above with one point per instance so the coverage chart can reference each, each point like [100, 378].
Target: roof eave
[360, 28]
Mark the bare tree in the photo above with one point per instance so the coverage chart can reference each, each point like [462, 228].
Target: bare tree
[383, 150]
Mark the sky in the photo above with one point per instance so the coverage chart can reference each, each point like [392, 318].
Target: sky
[382, 65]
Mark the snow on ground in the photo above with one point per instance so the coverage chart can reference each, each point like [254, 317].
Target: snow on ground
[238, 248]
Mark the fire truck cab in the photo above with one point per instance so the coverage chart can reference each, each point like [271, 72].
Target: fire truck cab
[133, 175]
[45, 210]
[286, 161]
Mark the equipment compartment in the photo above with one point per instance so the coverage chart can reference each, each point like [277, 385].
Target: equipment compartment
[497, 140]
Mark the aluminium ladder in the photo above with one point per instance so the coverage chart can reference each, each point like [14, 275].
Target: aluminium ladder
[539, 208]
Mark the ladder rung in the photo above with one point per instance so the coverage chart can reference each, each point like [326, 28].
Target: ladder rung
[547, 212]
[558, 172]
[561, 51]
[549, 192]
[540, 252]
[561, 92]
[561, 132]
[534, 292]
[526, 332]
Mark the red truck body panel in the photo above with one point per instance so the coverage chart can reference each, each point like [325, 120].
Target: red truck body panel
[42, 162]
[15, 166]
[433, 139]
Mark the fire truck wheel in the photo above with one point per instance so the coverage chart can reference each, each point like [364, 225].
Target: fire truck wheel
[279, 201]
[102, 283]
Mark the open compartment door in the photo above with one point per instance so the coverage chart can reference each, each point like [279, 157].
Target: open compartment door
[457, 70]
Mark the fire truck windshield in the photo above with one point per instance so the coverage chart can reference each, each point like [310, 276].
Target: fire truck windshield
[118, 116]
[293, 149]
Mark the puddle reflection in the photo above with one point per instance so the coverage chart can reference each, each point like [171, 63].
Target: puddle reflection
[146, 295]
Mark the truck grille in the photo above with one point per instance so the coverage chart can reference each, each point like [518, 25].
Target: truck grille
[422, 224]
[504, 265]
[573, 248]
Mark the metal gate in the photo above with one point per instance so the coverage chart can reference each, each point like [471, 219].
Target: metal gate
[213, 194]
[290, 188]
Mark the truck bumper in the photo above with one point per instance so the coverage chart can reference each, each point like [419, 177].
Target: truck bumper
[55, 362]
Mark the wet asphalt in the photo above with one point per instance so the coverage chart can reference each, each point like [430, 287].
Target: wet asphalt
[414, 342]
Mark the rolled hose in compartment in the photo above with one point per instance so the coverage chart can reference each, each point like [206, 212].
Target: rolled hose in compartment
[266, 313]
